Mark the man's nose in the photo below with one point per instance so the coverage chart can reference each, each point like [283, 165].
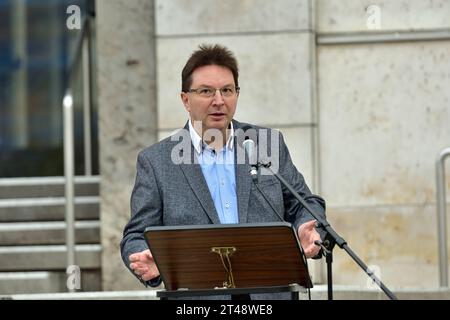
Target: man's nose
[218, 99]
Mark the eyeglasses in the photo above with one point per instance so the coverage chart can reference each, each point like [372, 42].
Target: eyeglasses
[208, 92]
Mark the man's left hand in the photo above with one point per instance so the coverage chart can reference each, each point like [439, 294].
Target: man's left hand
[307, 235]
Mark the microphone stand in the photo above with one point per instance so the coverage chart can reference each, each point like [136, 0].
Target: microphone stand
[331, 239]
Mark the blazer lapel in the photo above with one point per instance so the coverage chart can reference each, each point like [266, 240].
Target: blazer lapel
[243, 186]
[194, 175]
[243, 180]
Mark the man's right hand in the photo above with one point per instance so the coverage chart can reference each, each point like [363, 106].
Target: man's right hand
[143, 264]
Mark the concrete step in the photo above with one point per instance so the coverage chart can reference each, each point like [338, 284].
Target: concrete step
[46, 258]
[101, 295]
[317, 293]
[47, 209]
[13, 188]
[342, 292]
[39, 233]
[34, 282]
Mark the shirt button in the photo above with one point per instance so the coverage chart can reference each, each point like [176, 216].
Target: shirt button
[222, 182]
[227, 205]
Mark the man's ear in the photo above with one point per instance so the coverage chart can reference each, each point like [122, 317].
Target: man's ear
[185, 99]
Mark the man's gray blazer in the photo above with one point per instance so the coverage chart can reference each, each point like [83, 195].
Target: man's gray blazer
[167, 192]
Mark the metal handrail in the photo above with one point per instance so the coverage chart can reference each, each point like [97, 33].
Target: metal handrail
[442, 217]
[82, 47]
[69, 173]
[87, 104]
[81, 52]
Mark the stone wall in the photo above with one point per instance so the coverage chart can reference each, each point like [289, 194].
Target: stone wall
[364, 117]
[384, 118]
[127, 119]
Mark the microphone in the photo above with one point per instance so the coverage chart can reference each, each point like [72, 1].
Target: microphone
[249, 147]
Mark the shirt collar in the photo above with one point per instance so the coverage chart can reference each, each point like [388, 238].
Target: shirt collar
[198, 143]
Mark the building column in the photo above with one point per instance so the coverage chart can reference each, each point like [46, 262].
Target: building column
[127, 119]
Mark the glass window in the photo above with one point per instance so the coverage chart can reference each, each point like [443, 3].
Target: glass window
[36, 48]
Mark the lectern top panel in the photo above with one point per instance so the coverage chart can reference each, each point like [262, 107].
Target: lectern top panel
[215, 256]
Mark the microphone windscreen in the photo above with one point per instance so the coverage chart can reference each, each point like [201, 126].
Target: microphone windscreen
[249, 147]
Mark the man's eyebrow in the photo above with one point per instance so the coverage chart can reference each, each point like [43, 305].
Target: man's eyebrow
[209, 86]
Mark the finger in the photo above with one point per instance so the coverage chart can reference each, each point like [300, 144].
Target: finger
[315, 250]
[136, 272]
[312, 250]
[141, 271]
[143, 264]
[139, 265]
[134, 257]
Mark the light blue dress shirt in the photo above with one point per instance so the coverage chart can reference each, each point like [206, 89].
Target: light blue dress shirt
[219, 172]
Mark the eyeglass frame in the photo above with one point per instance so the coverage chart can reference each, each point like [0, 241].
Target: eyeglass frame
[236, 91]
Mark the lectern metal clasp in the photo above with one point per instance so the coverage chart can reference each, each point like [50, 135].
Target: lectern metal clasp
[225, 254]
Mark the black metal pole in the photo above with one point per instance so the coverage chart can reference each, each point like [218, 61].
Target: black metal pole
[328, 253]
[329, 259]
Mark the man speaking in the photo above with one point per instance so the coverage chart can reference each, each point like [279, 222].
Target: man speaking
[201, 180]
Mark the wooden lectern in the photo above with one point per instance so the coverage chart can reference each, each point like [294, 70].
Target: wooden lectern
[228, 259]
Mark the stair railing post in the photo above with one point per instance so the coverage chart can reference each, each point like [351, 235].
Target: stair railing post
[442, 217]
[69, 173]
